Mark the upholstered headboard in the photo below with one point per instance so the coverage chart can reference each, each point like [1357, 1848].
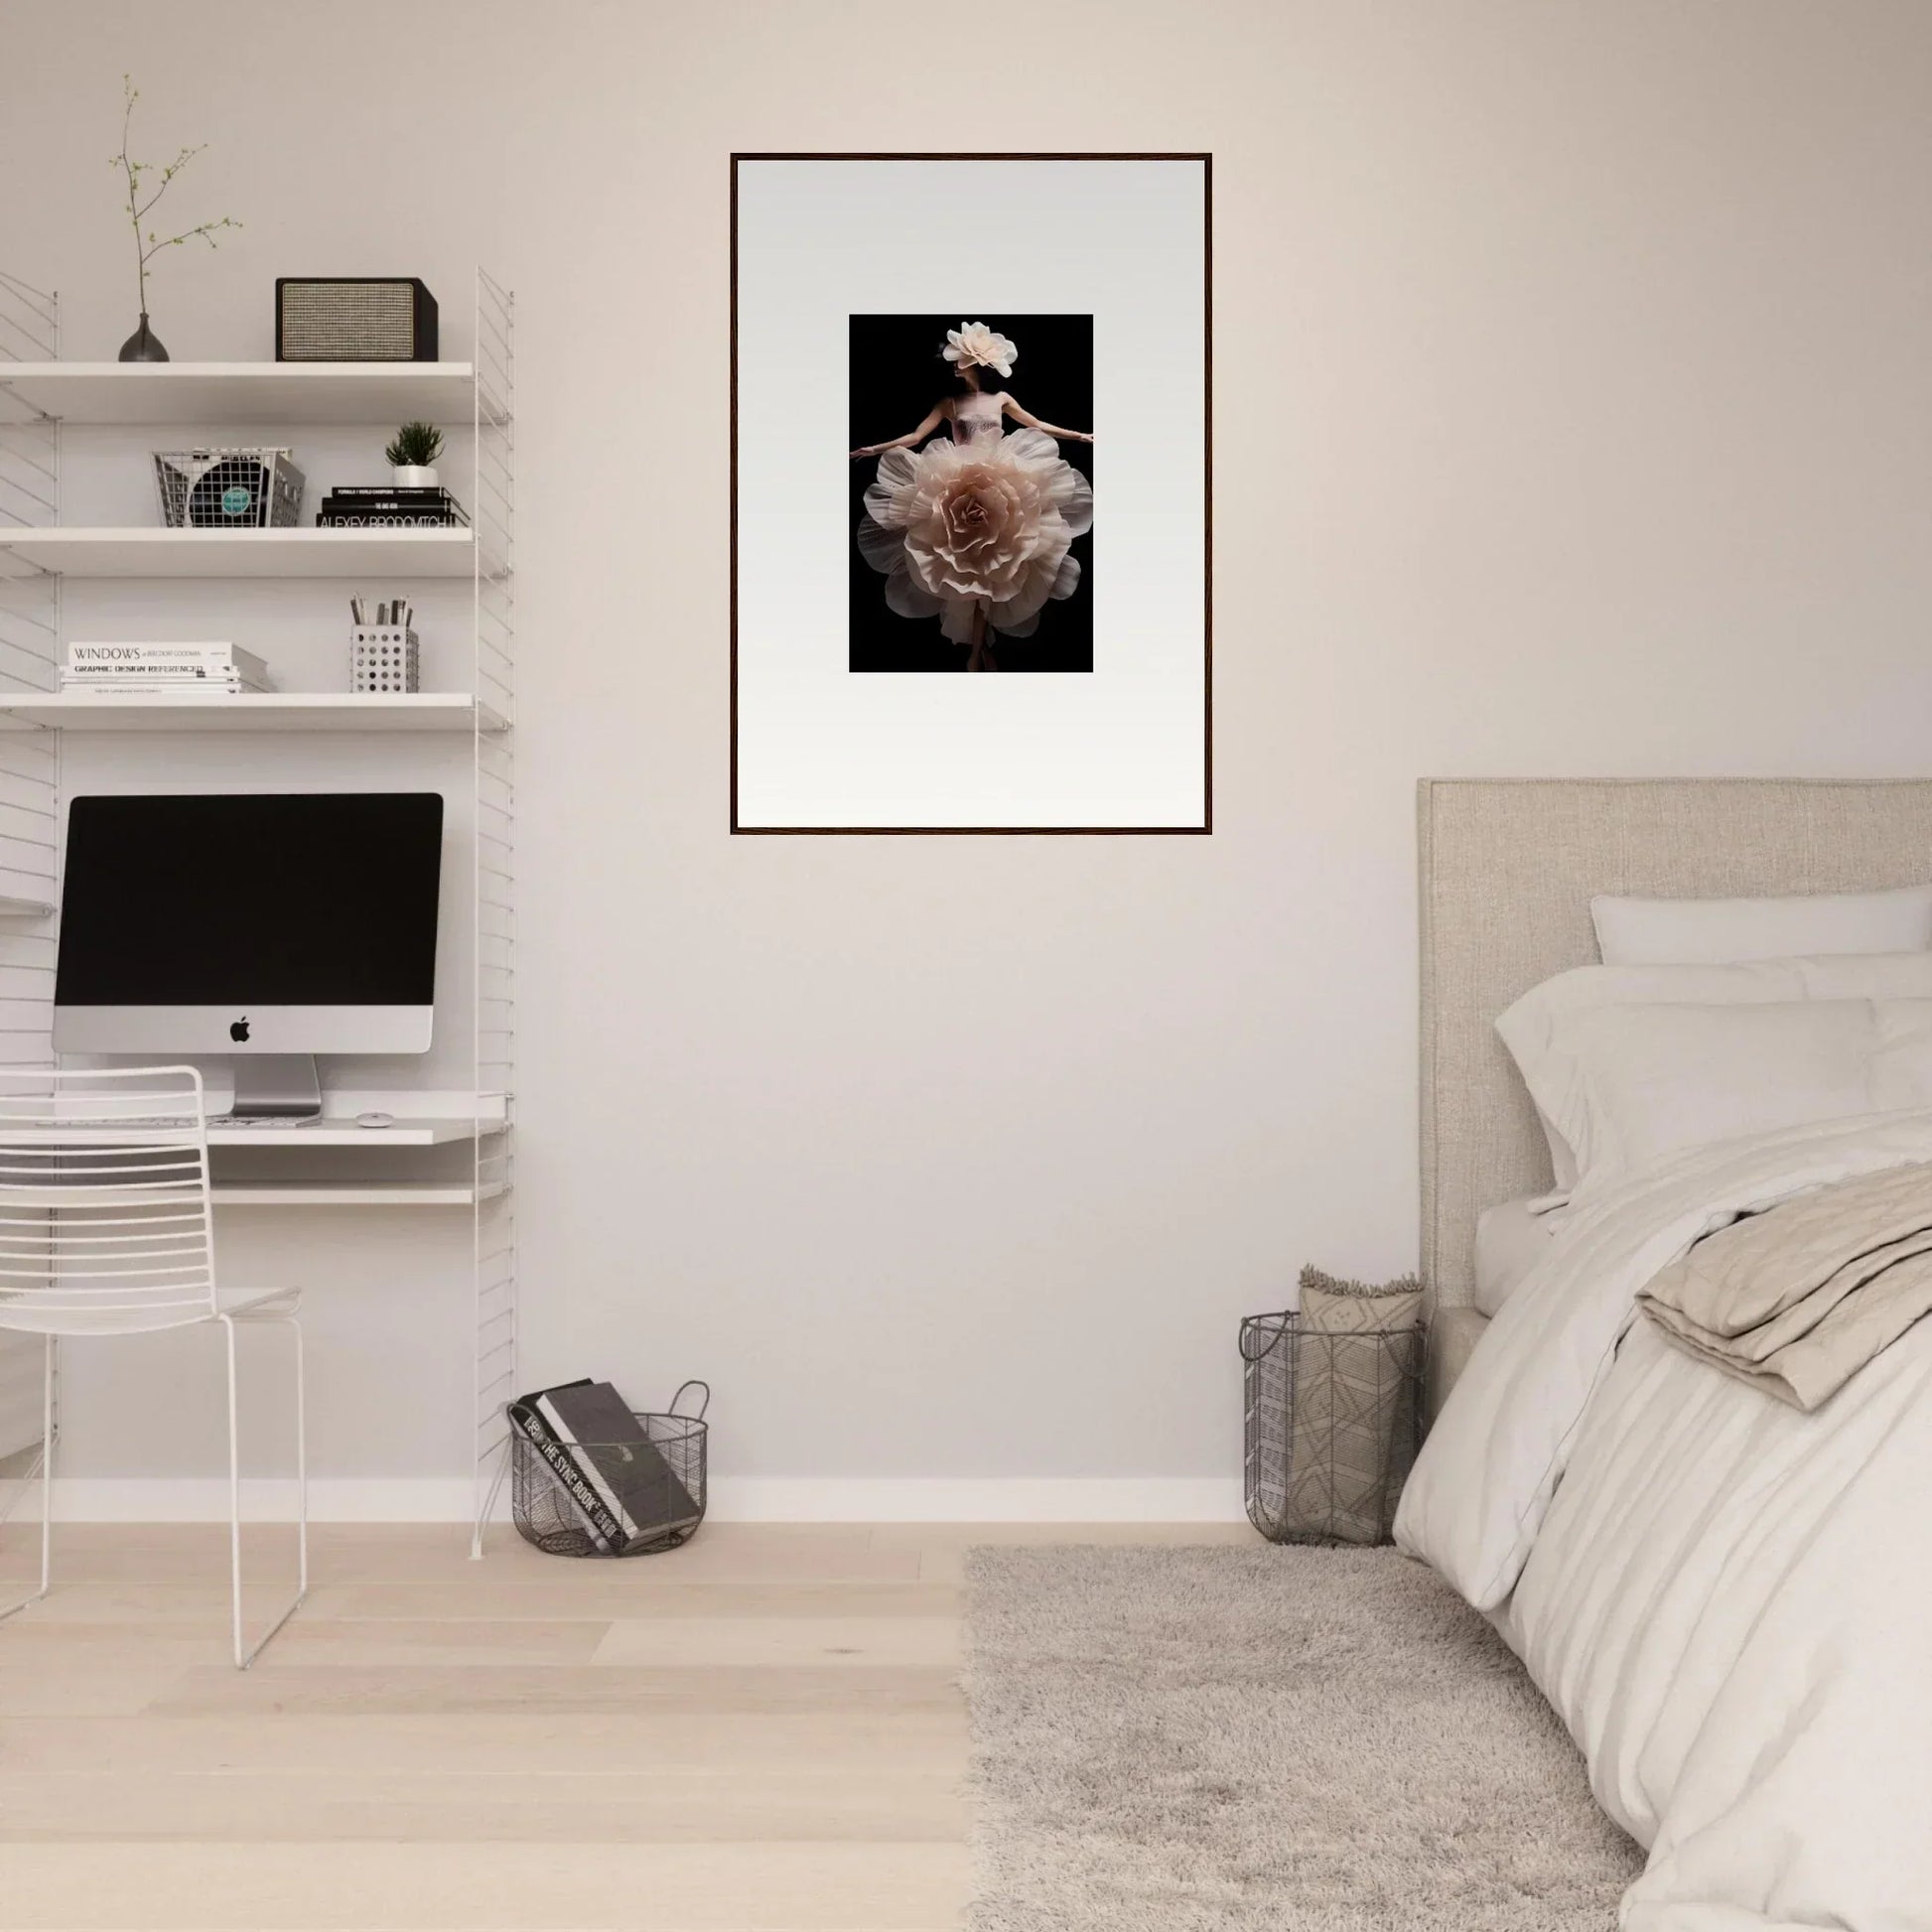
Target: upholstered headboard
[1508, 866]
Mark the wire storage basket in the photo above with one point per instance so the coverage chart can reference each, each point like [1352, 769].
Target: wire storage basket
[554, 1509]
[228, 488]
[1334, 1423]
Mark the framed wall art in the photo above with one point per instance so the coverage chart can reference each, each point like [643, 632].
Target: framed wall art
[971, 565]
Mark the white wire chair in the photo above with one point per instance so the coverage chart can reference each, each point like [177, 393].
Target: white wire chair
[107, 1228]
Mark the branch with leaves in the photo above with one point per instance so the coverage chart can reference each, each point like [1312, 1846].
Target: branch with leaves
[147, 245]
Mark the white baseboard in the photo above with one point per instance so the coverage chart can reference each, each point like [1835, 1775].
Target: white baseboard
[204, 1499]
[968, 1499]
[734, 1499]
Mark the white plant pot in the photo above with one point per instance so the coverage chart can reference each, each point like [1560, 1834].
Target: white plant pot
[413, 476]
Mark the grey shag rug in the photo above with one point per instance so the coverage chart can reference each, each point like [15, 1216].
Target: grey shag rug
[1226, 1739]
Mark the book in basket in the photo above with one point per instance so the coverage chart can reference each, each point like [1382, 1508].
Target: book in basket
[525, 1418]
[638, 1494]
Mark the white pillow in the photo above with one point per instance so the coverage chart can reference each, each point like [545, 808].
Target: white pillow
[1529, 1029]
[1512, 1238]
[1709, 932]
[1626, 1086]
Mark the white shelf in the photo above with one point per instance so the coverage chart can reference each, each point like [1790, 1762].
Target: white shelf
[346, 1133]
[24, 908]
[139, 552]
[243, 392]
[328, 1132]
[350, 1193]
[268, 711]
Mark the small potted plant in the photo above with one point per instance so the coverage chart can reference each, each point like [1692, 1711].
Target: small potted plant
[412, 455]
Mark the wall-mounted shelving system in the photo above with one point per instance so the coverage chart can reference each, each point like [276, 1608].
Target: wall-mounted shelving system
[40, 395]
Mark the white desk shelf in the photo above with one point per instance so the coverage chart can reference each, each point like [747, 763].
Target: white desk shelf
[346, 1133]
[114, 412]
[269, 711]
[314, 1134]
[152, 552]
[243, 392]
[351, 1193]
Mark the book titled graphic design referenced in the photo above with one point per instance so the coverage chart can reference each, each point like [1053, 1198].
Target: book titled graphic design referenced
[128, 666]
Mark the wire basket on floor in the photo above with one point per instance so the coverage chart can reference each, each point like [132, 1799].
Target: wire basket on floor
[1333, 1423]
[549, 1515]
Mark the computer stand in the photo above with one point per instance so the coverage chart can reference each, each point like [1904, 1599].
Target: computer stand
[276, 1086]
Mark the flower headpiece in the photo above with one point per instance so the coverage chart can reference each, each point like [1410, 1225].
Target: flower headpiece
[973, 344]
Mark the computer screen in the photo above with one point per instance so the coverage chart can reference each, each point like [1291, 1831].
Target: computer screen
[281, 922]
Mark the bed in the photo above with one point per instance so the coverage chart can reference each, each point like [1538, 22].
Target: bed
[1723, 1597]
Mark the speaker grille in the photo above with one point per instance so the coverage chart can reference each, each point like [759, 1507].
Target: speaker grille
[349, 321]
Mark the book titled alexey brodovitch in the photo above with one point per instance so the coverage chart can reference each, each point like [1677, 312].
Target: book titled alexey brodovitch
[378, 506]
[613, 1473]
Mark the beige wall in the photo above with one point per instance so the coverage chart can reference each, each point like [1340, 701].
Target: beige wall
[1573, 372]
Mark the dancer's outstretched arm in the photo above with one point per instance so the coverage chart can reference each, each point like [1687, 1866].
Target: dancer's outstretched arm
[1019, 415]
[933, 418]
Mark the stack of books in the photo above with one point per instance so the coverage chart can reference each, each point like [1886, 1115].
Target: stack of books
[203, 668]
[386, 507]
[616, 1479]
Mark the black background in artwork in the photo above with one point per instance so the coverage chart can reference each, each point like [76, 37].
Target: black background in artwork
[897, 375]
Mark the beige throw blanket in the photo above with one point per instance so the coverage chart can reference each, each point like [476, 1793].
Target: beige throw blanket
[1799, 1299]
[1356, 1383]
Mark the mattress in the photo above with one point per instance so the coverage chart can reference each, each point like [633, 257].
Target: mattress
[1511, 1241]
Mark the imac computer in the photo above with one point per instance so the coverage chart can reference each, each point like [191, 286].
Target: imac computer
[263, 927]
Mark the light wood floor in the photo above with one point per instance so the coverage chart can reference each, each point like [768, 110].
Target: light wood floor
[760, 1733]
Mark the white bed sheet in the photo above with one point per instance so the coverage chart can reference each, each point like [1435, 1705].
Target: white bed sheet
[1511, 1241]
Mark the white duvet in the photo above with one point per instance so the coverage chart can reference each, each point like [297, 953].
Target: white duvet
[1729, 1602]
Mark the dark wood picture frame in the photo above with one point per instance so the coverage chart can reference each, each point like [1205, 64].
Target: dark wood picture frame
[1207, 825]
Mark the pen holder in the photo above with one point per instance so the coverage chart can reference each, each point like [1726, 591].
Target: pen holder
[383, 658]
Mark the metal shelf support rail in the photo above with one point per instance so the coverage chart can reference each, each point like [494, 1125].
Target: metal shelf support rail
[30, 803]
[492, 515]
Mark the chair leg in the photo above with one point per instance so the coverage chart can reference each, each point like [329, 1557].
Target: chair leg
[47, 1482]
[245, 1653]
[301, 1460]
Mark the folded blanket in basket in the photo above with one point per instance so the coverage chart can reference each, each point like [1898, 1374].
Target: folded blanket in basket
[1799, 1299]
[1354, 1408]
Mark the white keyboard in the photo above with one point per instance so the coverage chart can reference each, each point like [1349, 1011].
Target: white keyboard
[214, 1120]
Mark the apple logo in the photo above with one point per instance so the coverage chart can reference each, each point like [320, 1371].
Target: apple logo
[239, 1030]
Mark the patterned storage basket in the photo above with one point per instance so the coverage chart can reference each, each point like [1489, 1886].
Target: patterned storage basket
[1333, 1423]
